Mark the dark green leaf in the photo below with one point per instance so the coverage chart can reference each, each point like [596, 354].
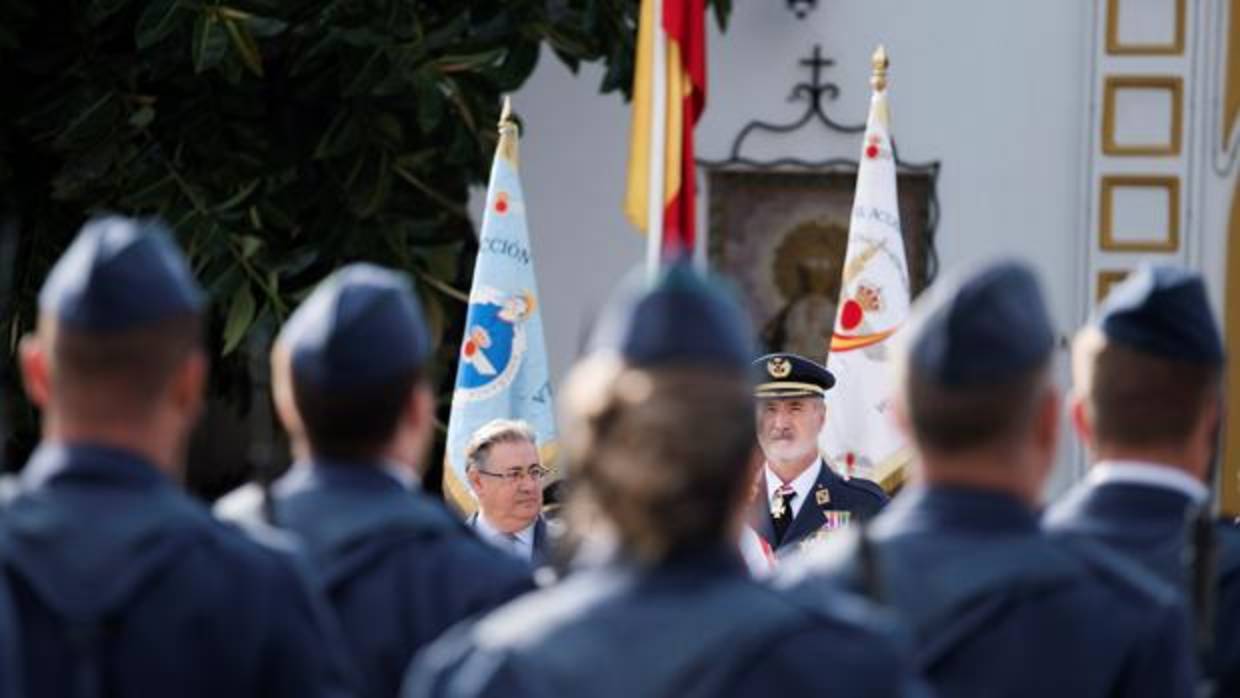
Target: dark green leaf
[265, 27]
[210, 41]
[469, 62]
[102, 9]
[723, 8]
[297, 261]
[371, 72]
[88, 125]
[239, 197]
[389, 130]
[158, 20]
[142, 118]
[243, 42]
[342, 136]
[240, 316]
[430, 100]
[518, 65]
[249, 246]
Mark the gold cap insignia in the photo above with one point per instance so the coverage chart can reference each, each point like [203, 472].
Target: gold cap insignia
[779, 367]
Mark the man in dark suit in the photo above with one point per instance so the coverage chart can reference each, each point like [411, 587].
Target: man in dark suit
[506, 474]
[122, 585]
[995, 606]
[800, 497]
[1147, 403]
[397, 567]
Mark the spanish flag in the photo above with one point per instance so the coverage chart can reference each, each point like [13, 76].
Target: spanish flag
[669, 94]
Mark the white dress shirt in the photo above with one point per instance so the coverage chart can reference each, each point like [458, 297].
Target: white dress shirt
[1151, 475]
[520, 543]
[801, 485]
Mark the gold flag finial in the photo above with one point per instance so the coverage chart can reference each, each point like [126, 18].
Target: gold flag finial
[878, 79]
[505, 114]
[508, 132]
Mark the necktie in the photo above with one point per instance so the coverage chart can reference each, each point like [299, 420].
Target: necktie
[781, 510]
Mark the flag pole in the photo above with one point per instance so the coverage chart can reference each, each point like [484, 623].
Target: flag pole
[658, 147]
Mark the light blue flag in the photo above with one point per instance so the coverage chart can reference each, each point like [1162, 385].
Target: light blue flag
[503, 364]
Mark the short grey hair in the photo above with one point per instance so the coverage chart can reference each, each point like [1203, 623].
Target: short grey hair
[496, 431]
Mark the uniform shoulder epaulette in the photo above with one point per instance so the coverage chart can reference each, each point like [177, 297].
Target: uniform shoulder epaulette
[868, 486]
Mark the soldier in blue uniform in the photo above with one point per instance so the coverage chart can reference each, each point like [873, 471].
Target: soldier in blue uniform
[397, 567]
[123, 585]
[658, 433]
[800, 496]
[1148, 376]
[996, 607]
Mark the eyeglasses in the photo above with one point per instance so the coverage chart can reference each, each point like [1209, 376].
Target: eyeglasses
[512, 477]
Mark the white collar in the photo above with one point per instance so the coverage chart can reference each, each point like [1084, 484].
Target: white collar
[525, 536]
[1149, 474]
[802, 484]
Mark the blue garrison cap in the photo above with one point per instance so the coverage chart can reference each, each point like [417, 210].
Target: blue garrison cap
[987, 326]
[1164, 311]
[120, 274]
[361, 326]
[784, 375]
[684, 318]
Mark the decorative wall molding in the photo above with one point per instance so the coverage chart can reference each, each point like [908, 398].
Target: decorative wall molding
[1113, 240]
[1116, 46]
[1112, 140]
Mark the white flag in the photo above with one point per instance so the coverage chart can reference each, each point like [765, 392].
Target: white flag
[861, 438]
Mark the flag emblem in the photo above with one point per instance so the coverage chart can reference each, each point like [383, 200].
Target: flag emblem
[494, 343]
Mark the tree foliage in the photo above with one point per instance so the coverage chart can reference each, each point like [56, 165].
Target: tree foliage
[279, 138]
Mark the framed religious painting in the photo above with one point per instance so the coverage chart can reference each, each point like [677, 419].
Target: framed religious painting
[781, 237]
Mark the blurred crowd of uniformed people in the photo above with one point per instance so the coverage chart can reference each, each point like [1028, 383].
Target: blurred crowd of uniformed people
[703, 546]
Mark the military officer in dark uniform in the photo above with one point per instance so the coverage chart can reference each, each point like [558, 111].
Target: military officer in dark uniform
[658, 433]
[800, 496]
[123, 585]
[397, 567]
[1147, 402]
[996, 607]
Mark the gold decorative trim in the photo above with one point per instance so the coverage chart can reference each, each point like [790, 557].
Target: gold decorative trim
[1115, 48]
[789, 385]
[1107, 278]
[1113, 84]
[1231, 93]
[1106, 218]
[1229, 478]
[894, 481]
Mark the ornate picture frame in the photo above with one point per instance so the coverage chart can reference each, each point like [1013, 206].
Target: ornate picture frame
[781, 237]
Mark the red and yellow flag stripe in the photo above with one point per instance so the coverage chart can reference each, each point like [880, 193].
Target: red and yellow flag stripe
[682, 25]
